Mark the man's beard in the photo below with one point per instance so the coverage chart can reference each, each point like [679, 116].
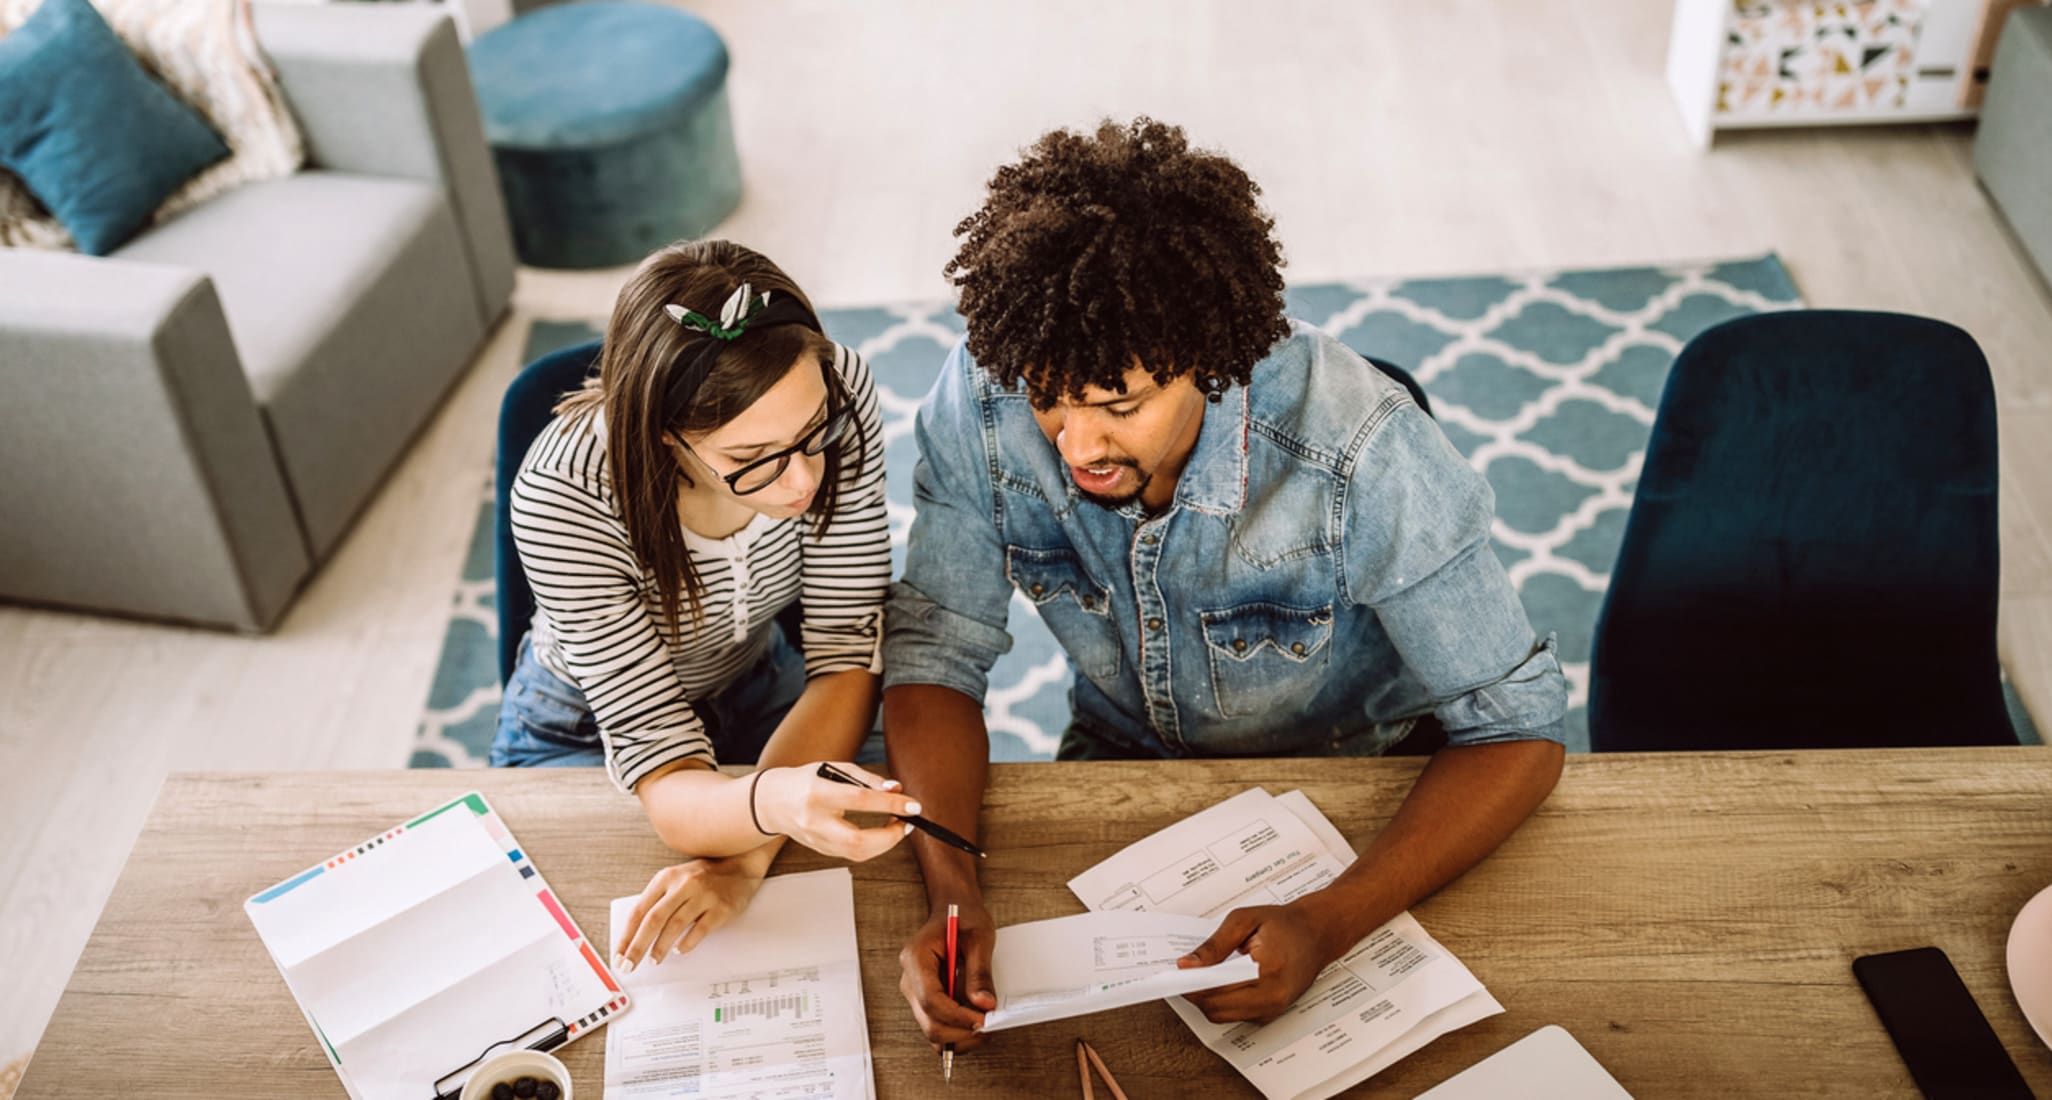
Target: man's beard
[1120, 501]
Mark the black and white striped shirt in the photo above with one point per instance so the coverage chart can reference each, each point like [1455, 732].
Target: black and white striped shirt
[598, 616]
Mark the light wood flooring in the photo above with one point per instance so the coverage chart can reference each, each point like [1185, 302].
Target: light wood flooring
[1402, 137]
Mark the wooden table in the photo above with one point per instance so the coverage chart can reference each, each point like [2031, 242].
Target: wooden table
[1690, 918]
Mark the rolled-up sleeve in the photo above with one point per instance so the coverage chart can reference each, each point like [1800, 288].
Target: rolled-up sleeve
[945, 621]
[1415, 548]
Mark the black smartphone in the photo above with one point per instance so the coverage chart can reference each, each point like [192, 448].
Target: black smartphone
[1952, 1052]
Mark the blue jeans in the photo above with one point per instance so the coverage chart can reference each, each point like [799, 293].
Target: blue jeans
[545, 722]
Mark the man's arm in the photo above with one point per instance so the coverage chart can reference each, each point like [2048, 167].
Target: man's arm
[944, 627]
[1443, 599]
[938, 745]
[1465, 804]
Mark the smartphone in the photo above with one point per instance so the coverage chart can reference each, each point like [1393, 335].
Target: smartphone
[1951, 1051]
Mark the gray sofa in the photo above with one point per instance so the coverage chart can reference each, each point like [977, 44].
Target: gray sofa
[2013, 148]
[191, 424]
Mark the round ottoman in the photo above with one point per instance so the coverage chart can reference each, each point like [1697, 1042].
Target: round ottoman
[608, 121]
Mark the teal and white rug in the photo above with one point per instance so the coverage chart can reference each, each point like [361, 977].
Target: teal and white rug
[1546, 381]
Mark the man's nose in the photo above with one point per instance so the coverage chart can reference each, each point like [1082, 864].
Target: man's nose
[1080, 442]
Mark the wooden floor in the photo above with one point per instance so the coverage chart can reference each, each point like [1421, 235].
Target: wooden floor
[1406, 137]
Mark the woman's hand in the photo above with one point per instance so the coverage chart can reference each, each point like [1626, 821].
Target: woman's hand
[684, 903]
[797, 803]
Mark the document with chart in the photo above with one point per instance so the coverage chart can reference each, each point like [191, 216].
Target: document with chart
[1397, 990]
[768, 1007]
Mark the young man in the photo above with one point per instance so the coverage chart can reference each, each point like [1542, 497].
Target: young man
[1249, 541]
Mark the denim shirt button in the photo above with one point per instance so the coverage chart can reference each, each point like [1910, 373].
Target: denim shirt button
[1090, 603]
[1297, 648]
[1150, 540]
[1037, 589]
[1239, 645]
[1154, 624]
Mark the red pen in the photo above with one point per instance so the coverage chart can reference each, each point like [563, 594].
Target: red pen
[954, 933]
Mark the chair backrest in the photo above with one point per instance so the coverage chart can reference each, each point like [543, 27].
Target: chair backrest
[523, 413]
[1403, 378]
[1811, 559]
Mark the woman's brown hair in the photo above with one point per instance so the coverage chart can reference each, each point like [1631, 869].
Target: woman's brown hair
[639, 361]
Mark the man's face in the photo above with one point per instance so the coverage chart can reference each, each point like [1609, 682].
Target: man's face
[1125, 446]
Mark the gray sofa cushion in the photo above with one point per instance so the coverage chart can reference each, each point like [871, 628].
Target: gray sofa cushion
[141, 475]
[351, 303]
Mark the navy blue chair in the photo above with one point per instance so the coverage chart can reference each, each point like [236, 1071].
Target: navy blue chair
[523, 413]
[1811, 559]
[1403, 378]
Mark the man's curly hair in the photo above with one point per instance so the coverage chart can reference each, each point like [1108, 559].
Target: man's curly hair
[1093, 251]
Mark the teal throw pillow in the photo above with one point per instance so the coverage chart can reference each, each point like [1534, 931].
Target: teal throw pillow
[91, 134]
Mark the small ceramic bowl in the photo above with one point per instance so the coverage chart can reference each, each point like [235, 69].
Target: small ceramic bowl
[2030, 963]
[511, 1066]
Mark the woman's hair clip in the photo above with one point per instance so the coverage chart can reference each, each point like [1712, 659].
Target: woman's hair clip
[741, 307]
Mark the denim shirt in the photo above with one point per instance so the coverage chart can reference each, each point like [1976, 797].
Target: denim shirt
[1322, 576]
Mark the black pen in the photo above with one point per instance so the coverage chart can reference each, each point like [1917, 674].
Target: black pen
[938, 832]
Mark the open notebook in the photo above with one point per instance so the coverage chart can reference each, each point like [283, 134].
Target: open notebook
[421, 950]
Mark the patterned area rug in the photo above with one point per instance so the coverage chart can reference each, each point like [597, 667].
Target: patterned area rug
[1546, 381]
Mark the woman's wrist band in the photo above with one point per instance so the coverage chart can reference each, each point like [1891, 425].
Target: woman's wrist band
[756, 821]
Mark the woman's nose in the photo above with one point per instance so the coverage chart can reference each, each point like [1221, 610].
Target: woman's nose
[803, 474]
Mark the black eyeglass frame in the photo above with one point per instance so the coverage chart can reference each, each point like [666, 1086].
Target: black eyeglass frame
[840, 416]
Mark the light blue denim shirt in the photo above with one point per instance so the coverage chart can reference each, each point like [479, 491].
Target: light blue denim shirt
[1322, 577]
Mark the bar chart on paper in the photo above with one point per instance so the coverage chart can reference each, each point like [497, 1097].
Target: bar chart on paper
[736, 1002]
[769, 1007]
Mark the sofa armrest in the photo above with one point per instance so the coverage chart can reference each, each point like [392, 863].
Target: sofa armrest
[384, 90]
[141, 478]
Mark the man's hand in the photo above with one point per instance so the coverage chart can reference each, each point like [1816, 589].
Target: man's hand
[685, 903]
[1286, 941]
[924, 983]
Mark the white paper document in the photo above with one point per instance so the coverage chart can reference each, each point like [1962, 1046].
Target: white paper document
[768, 1007]
[1071, 966]
[1397, 990]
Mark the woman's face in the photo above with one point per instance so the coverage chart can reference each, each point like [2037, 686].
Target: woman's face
[777, 420]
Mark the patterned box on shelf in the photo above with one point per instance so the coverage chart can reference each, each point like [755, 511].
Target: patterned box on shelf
[1742, 63]
[1828, 57]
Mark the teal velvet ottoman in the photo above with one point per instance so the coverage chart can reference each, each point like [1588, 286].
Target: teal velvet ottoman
[609, 125]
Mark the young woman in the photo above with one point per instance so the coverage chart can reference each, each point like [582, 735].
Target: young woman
[726, 462]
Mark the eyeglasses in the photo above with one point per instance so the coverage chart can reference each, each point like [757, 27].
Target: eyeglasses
[764, 472]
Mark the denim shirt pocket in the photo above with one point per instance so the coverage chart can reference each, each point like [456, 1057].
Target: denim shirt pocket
[1075, 608]
[1267, 657]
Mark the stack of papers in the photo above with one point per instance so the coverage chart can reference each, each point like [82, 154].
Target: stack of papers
[1396, 991]
[768, 1006]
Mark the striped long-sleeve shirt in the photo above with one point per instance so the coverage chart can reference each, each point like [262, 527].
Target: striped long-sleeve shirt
[598, 616]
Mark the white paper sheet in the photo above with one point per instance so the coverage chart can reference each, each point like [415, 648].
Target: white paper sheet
[1072, 966]
[1397, 990]
[768, 1007]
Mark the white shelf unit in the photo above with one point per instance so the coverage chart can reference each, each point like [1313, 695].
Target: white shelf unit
[1735, 64]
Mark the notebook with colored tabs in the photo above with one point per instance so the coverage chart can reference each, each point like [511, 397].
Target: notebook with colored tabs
[423, 950]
